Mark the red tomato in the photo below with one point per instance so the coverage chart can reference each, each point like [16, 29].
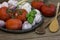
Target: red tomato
[22, 18]
[3, 14]
[21, 15]
[52, 7]
[13, 24]
[36, 4]
[48, 10]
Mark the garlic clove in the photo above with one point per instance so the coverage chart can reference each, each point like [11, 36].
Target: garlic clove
[26, 25]
[4, 4]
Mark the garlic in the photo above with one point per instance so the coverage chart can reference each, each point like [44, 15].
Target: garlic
[26, 25]
[2, 23]
[33, 23]
[12, 3]
[25, 6]
[4, 4]
[0, 5]
[38, 16]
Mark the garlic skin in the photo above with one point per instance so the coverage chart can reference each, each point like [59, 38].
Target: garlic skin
[4, 4]
[25, 6]
[33, 23]
[38, 16]
[12, 3]
[26, 25]
[0, 5]
[2, 23]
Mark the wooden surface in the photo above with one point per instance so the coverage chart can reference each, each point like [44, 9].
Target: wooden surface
[32, 35]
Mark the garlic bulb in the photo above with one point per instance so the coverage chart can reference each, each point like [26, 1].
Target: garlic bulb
[12, 3]
[38, 16]
[26, 25]
[33, 23]
[0, 5]
[2, 23]
[26, 6]
[4, 4]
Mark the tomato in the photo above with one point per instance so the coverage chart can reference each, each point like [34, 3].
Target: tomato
[48, 10]
[21, 15]
[3, 14]
[36, 4]
[13, 24]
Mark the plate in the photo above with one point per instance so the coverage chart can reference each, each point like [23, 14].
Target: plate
[21, 31]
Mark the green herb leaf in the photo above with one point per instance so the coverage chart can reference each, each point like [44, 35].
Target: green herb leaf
[32, 13]
[9, 11]
[30, 20]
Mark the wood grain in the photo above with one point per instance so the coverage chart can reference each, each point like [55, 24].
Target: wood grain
[30, 35]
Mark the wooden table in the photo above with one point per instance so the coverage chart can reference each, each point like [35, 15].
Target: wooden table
[32, 35]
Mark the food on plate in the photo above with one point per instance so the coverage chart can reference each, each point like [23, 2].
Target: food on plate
[13, 24]
[34, 17]
[31, 16]
[38, 16]
[34, 23]
[21, 14]
[3, 14]
[26, 25]
[4, 4]
[2, 23]
[37, 4]
[25, 16]
[20, 17]
[0, 5]
[25, 6]
[12, 3]
[30, 19]
[48, 10]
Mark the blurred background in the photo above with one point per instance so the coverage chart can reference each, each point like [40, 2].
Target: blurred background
[46, 1]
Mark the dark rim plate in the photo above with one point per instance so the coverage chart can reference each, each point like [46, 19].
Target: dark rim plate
[22, 31]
